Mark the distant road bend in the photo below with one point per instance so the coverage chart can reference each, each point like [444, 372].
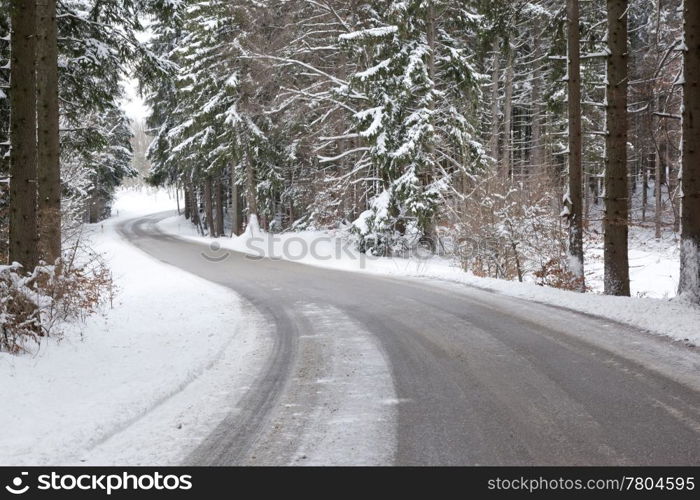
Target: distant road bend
[478, 378]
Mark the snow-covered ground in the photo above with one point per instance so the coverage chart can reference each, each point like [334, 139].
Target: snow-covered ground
[140, 383]
[653, 270]
[654, 265]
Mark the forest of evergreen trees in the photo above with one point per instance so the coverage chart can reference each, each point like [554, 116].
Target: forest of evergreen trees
[498, 131]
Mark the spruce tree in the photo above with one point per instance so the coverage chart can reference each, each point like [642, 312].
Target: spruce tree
[420, 133]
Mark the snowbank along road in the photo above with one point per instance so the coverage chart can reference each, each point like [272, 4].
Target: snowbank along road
[376, 370]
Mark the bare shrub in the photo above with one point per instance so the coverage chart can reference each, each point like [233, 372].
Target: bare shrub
[554, 274]
[19, 315]
[33, 305]
[511, 230]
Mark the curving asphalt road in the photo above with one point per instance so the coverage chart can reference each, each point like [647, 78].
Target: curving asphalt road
[479, 378]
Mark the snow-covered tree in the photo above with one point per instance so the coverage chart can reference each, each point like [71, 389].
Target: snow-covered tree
[418, 114]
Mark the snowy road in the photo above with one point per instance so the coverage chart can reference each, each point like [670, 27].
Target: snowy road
[369, 369]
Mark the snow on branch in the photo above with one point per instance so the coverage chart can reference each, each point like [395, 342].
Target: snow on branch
[668, 115]
[327, 159]
[300, 63]
[369, 33]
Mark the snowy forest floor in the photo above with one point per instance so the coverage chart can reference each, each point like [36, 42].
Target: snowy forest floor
[141, 383]
[654, 264]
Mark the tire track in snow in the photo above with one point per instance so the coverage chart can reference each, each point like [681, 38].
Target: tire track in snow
[339, 407]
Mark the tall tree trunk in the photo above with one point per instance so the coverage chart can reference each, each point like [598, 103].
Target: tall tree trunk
[188, 202]
[536, 156]
[48, 154]
[657, 192]
[236, 219]
[616, 186]
[194, 208]
[689, 284]
[495, 122]
[430, 35]
[430, 234]
[23, 155]
[506, 165]
[672, 188]
[219, 215]
[645, 184]
[574, 201]
[251, 199]
[208, 209]
[194, 212]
